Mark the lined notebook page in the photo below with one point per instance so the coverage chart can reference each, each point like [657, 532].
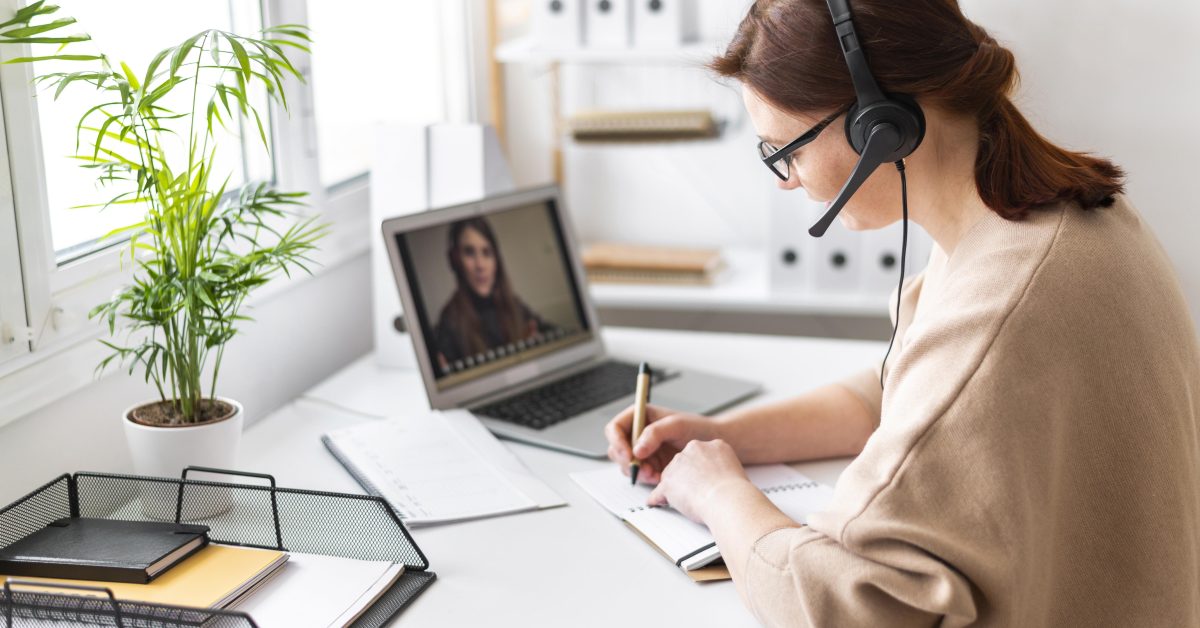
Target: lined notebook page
[679, 537]
[426, 471]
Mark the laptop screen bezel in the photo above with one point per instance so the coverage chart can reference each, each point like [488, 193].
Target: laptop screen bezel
[487, 385]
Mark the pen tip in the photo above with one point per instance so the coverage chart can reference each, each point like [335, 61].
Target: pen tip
[643, 369]
[633, 471]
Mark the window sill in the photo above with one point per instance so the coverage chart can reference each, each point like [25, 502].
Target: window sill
[67, 365]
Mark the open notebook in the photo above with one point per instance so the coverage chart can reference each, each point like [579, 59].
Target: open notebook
[688, 544]
[438, 468]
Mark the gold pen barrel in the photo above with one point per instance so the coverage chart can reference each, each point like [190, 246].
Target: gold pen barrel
[639, 409]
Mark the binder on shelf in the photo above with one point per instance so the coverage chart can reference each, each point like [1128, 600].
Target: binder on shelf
[558, 24]
[664, 24]
[837, 261]
[252, 515]
[608, 24]
[881, 256]
[791, 250]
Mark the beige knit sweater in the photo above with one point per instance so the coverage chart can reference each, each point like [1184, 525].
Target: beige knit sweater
[1037, 461]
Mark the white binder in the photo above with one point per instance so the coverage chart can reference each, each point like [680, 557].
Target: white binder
[608, 23]
[837, 261]
[881, 256]
[791, 250]
[664, 23]
[558, 24]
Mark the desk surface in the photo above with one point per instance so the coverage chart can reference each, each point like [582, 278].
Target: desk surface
[575, 565]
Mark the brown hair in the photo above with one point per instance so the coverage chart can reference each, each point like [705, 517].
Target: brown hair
[461, 309]
[786, 50]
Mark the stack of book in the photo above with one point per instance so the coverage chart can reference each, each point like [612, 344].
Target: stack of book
[609, 262]
[175, 564]
[625, 126]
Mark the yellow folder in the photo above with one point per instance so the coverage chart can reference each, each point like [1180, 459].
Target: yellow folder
[211, 578]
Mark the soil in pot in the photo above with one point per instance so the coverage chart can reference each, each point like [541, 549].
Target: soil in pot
[166, 414]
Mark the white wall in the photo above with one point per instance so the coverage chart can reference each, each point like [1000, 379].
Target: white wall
[1119, 78]
[300, 336]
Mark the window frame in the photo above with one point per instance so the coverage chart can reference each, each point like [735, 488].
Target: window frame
[13, 321]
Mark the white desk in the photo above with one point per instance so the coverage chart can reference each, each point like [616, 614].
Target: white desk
[576, 565]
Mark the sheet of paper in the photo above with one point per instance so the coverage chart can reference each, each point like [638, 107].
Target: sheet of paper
[490, 447]
[799, 504]
[677, 536]
[319, 591]
[428, 472]
[611, 488]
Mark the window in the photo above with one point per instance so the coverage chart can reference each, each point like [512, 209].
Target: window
[73, 198]
[375, 61]
[378, 63]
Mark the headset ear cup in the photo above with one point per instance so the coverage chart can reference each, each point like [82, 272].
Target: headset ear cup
[854, 137]
[911, 120]
[897, 110]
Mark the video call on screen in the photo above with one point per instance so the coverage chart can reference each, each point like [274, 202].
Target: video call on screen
[492, 290]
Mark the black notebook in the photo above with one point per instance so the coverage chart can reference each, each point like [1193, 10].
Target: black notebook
[102, 549]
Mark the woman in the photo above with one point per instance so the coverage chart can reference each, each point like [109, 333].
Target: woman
[483, 313]
[1033, 456]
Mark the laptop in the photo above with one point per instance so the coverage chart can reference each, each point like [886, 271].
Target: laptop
[498, 310]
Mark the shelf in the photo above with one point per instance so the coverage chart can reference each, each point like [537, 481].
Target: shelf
[526, 50]
[745, 287]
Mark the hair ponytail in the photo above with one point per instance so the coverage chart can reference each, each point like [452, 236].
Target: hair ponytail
[964, 71]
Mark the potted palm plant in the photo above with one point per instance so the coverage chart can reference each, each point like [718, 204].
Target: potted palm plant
[200, 249]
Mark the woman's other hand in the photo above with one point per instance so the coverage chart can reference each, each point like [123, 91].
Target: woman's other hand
[696, 478]
[666, 433]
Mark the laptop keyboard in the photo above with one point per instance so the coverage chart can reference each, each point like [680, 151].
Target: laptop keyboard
[562, 399]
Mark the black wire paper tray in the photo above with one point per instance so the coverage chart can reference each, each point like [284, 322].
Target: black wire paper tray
[263, 515]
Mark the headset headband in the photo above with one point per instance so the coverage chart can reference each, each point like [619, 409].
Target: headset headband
[865, 88]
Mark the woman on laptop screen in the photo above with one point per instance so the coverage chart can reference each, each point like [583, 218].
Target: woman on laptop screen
[484, 313]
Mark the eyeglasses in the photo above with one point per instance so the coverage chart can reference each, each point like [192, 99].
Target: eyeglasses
[777, 159]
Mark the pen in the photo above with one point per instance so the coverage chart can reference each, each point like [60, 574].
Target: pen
[641, 398]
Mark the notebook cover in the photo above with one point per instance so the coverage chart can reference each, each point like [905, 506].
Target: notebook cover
[99, 549]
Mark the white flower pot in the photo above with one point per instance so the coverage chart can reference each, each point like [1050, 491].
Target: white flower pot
[160, 451]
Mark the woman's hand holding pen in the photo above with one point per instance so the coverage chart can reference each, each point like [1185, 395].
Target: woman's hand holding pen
[682, 453]
[666, 433]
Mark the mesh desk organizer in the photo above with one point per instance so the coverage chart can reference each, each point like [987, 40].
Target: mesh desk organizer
[250, 515]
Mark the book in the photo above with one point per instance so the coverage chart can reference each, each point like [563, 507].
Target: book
[109, 550]
[635, 263]
[213, 577]
[642, 125]
[320, 591]
[686, 543]
[438, 468]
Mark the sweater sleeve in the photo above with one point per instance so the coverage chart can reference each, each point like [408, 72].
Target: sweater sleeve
[800, 577]
[865, 385]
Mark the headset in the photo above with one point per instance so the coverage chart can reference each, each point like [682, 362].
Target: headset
[880, 127]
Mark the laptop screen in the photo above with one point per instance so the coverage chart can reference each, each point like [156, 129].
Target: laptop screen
[492, 291]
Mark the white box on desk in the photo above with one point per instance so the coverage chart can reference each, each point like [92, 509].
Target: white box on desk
[415, 168]
[558, 24]
[607, 24]
[665, 23]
